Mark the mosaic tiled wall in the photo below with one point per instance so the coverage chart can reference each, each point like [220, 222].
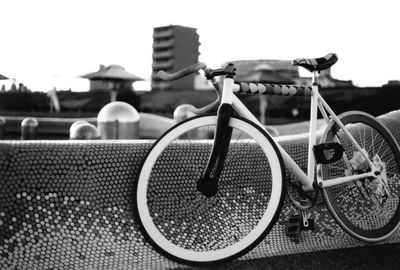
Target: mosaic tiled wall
[69, 205]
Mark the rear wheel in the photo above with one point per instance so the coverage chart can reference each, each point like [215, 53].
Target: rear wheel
[186, 225]
[368, 208]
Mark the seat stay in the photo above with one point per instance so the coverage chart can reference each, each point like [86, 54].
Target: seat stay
[336, 119]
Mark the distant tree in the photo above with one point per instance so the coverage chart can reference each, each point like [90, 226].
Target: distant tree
[13, 86]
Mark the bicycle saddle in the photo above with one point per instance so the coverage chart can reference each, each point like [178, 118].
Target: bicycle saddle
[316, 64]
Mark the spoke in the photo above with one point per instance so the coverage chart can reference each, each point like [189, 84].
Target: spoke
[190, 141]
[386, 153]
[351, 205]
[372, 143]
[174, 144]
[233, 151]
[364, 138]
[192, 161]
[363, 207]
[359, 136]
[345, 157]
[374, 205]
[335, 174]
[337, 167]
[374, 139]
[343, 192]
[342, 140]
[380, 146]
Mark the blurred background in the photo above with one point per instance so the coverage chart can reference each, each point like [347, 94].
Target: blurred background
[68, 59]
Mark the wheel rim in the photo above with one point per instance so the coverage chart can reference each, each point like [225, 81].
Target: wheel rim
[354, 204]
[189, 226]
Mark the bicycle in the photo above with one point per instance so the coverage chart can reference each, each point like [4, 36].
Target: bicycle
[212, 187]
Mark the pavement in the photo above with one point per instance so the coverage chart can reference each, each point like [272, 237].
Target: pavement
[386, 256]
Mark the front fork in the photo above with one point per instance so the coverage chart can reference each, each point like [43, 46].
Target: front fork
[208, 182]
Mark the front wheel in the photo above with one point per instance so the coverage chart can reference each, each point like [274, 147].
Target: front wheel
[189, 227]
[369, 208]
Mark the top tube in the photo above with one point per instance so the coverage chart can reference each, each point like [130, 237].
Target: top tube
[272, 89]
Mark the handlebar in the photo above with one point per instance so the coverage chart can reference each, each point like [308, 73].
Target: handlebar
[187, 71]
[181, 73]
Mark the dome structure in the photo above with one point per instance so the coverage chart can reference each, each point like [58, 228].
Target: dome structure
[118, 120]
[118, 111]
[29, 122]
[84, 131]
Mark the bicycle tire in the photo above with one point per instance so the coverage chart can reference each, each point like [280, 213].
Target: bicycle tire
[190, 228]
[356, 206]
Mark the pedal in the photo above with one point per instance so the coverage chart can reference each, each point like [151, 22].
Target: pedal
[326, 153]
[293, 226]
[310, 225]
[307, 223]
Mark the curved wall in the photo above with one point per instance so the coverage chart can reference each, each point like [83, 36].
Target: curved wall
[69, 205]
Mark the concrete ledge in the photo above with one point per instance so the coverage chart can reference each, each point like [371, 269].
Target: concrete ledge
[69, 205]
[150, 126]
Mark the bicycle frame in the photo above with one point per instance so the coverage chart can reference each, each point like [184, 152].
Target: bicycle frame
[317, 102]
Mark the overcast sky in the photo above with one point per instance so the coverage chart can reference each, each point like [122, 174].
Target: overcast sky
[49, 43]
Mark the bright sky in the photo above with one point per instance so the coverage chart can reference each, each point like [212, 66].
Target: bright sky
[49, 43]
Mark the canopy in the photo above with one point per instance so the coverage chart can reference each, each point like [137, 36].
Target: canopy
[112, 72]
[3, 77]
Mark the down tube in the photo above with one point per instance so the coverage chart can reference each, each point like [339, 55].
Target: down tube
[241, 109]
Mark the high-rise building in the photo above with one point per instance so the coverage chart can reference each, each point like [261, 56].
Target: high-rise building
[174, 47]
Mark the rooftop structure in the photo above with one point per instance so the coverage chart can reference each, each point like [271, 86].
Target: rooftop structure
[111, 78]
[266, 71]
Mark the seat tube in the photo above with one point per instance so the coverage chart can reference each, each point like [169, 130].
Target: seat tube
[313, 127]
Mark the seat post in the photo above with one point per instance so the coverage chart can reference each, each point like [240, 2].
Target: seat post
[315, 78]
